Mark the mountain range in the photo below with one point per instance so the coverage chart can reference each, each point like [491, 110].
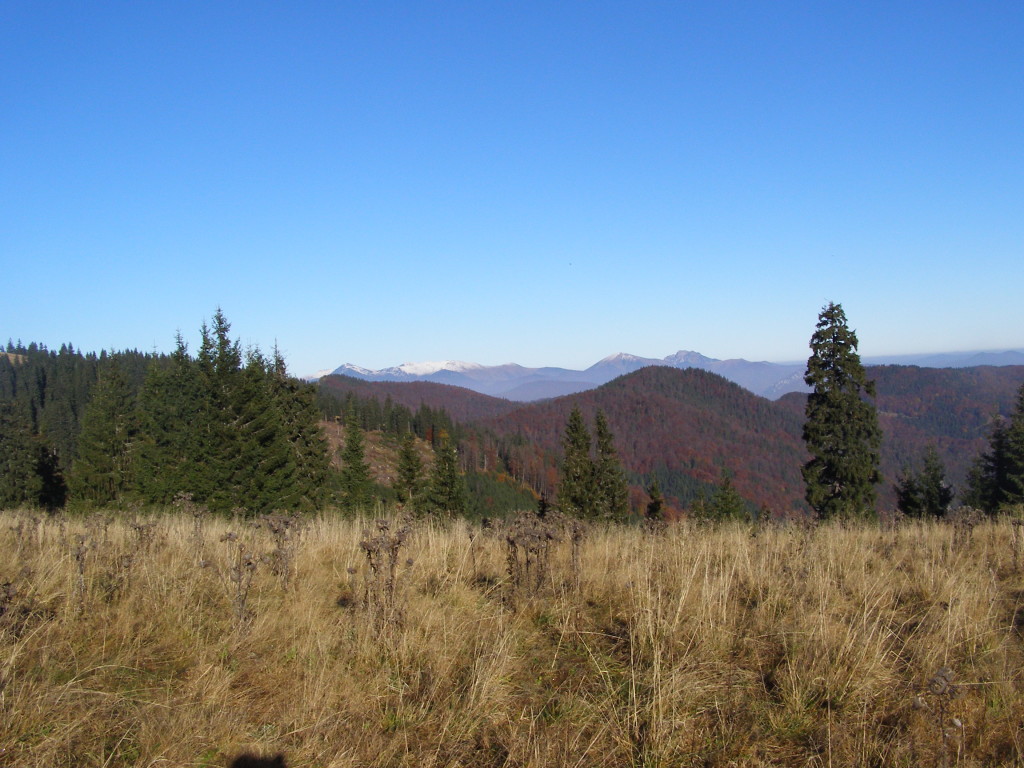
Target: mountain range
[519, 383]
[688, 427]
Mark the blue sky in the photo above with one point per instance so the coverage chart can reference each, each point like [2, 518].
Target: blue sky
[544, 183]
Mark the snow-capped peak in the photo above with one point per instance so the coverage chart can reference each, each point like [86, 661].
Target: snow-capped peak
[349, 367]
[427, 368]
[625, 357]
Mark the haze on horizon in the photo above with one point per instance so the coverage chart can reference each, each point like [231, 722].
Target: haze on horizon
[538, 183]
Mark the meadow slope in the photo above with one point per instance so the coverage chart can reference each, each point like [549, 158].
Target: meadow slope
[164, 640]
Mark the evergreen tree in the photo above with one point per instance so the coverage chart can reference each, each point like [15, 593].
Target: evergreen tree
[609, 484]
[726, 502]
[997, 477]
[355, 472]
[172, 405]
[446, 493]
[576, 491]
[925, 493]
[21, 454]
[296, 402]
[102, 472]
[655, 510]
[263, 475]
[409, 482]
[841, 427]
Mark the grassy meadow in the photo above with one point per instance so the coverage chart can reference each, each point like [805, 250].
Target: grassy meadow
[184, 640]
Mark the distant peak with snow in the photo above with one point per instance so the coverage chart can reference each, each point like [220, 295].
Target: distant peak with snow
[427, 368]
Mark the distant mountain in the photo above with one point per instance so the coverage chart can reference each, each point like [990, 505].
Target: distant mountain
[953, 359]
[516, 382]
[687, 426]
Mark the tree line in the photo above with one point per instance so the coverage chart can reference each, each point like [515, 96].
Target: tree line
[230, 429]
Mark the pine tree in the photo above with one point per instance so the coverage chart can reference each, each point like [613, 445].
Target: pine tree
[354, 479]
[841, 427]
[171, 404]
[609, 484]
[263, 474]
[726, 502]
[102, 472]
[296, 402]
[925, 493]
[997, 477]
[655, 510]
[409, 482]
[576, 491]
[20, 480]
[446, 493]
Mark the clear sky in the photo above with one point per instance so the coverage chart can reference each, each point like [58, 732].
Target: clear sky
[545, 183]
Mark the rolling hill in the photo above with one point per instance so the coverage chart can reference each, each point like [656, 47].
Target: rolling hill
[687, 426]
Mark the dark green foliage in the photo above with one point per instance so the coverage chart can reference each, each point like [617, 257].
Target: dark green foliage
[997, 477]
[925, 493]
[655, 510]
[296, 402]
[726, 503]
[495, 495]
[409, 480]
[354, 479]
[592, 488]
[19, 483]
[447, 493]
[103, 470]
[611, 492]
[170, 405]
[232, 432]
[841, 427]
[576, 489]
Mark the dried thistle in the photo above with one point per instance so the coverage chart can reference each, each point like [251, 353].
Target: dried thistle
[285, 530]
[381, 583]
[934, 703]
[241, 574]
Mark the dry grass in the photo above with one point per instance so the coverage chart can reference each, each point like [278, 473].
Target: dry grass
[724, 646]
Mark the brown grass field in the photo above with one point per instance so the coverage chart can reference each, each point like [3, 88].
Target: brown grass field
[156, 642]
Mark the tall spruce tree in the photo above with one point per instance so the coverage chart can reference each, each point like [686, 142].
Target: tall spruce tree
[409, 481]
[19, 483]
[354, 478]
[296, 402]
[447, 492]
[171, 404]
[610, 488]
[997, 477]
[576, 488]
[102, 472]
[841, 427]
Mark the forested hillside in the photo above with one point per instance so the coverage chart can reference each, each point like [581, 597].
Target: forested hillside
[951, 409]
[687, 428]
[461, 404]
